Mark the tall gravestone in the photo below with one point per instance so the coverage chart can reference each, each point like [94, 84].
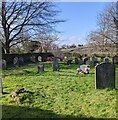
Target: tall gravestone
[105, 76]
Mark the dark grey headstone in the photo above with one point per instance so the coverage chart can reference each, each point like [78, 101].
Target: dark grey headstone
[105, 76]
[94, 61]
[76, 61]
[33, 59]
[106, 59]
[55, 65]
[40, 68]
[21, 61]
[115, 60]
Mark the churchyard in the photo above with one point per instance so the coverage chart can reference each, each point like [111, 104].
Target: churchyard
[38, 91]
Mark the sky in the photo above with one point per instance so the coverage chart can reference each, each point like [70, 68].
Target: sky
[80, 19]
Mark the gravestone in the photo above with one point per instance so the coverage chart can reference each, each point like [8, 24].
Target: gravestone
[40, 68]
[94, 61]
[101, 59]
[85, 59]
[21, 61]
[106, 59]
[39, 58]
[76, 61]
[1, 90]
[3, 64]
[33, 59]
[16, 62]
[115, 60]
[55, 65]
[105, 76]
[88, 61]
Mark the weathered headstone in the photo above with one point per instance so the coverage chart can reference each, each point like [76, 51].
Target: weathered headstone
[115, 60]
[3, 64]
[21, 61]
[88, 61]
[16, 62]
[33, 59]
[106, 59]
[76, 61]
[55, 65]
[40, 68]
[1, 91]
[101, 59]
[39, 58]
[94, 61]
[105, 76]
[85, 59]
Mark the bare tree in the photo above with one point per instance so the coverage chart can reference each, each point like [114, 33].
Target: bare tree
[30, 17]
[105, 37]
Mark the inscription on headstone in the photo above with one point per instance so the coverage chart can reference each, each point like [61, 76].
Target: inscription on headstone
[105, 76]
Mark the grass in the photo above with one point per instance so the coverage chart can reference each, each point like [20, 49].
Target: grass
[55, 94]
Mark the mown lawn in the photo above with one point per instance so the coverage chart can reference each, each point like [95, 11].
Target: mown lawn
[55, 94]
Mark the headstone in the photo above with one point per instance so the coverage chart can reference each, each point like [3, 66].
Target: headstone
[76, 61]
[85, 59]
[115, 60]
[39, 58]
[21, 61]
[80, 62]
[16, 62]
[1, 90]
[55, 65]
[105, 76]
[106, 59]
[94, 61]
[101, 59]
[40, 68]
[33, 59]
[88, 61]
[3, 64]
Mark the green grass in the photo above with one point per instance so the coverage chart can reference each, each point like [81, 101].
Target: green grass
[55, 94]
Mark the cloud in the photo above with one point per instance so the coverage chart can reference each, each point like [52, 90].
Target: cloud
[70, 40]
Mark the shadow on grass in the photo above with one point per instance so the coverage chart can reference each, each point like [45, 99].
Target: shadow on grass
[17, 112]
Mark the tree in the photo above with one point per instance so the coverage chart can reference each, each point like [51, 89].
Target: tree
[30, 17]
[105, 37]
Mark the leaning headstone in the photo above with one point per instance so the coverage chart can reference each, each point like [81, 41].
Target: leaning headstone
[21, 61]
[55, 65]
[3, 64]
[39, 58]
[115, 60]
[16, 62]
[40, 68]
[105, 76]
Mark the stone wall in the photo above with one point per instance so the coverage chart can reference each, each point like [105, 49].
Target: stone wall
[26, 57]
